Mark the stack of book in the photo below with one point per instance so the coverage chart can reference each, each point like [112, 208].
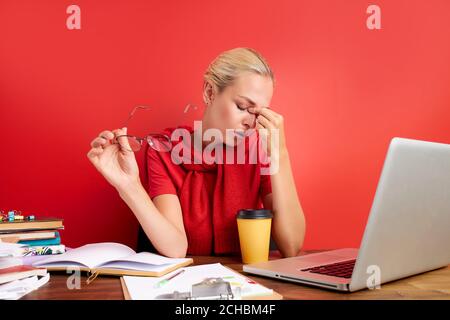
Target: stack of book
[36, 236]
[16, 279]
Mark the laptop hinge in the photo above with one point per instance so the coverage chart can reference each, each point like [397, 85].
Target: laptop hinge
[310, 282]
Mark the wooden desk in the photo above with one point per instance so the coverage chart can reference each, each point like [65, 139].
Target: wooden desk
[430, 285]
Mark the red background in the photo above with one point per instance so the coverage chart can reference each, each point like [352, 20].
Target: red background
[344, 91]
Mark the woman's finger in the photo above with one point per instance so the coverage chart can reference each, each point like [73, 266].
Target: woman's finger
[107, 135]
[94, 153]
[263, 134]
[258, 126]
[98, 142]
[119, 132]
[266, 123]
[123, 141]
[269, 114]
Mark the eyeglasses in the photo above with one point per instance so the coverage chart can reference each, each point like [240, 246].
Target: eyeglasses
[159, 142]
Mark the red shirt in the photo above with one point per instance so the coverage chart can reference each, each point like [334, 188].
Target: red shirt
[210, 196]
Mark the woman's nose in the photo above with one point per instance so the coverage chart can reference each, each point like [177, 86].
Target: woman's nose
[250, 121]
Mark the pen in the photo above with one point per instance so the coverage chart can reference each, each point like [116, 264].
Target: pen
[165, 281]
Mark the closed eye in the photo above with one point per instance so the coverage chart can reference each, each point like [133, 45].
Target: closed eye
[240, 108]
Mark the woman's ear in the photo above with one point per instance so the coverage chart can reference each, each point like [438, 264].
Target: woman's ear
[208, 93]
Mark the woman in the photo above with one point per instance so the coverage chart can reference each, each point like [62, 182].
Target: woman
[190, 208]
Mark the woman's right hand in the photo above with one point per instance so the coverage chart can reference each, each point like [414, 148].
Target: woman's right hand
[116, 163]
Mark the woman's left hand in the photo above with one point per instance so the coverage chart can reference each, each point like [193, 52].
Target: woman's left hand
[268, 119]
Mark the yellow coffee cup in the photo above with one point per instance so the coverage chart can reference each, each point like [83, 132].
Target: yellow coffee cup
[254, 234]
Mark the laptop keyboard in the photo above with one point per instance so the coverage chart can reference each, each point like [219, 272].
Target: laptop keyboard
[342, 269]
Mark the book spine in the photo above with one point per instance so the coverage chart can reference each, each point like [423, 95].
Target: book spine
[43, 242]
[21, 230]
[44, 250]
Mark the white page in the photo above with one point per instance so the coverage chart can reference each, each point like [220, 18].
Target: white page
[89, 255]
[17, 289]
[11, 249]
[144, 261]
[144, 258]
[136, 266]
[142, 288]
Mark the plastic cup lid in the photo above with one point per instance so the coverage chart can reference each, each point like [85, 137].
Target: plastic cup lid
[254, 214]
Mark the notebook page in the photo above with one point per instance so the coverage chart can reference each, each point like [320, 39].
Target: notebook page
[144, 261]
[89, 255]
[142, 288]
[11, 249]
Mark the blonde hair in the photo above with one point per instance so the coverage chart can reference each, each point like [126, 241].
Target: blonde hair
[227, 66]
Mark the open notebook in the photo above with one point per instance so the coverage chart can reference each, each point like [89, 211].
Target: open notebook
[113, 259]
[137, 288]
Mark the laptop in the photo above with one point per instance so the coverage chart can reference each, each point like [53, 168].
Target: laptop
[407, 232]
